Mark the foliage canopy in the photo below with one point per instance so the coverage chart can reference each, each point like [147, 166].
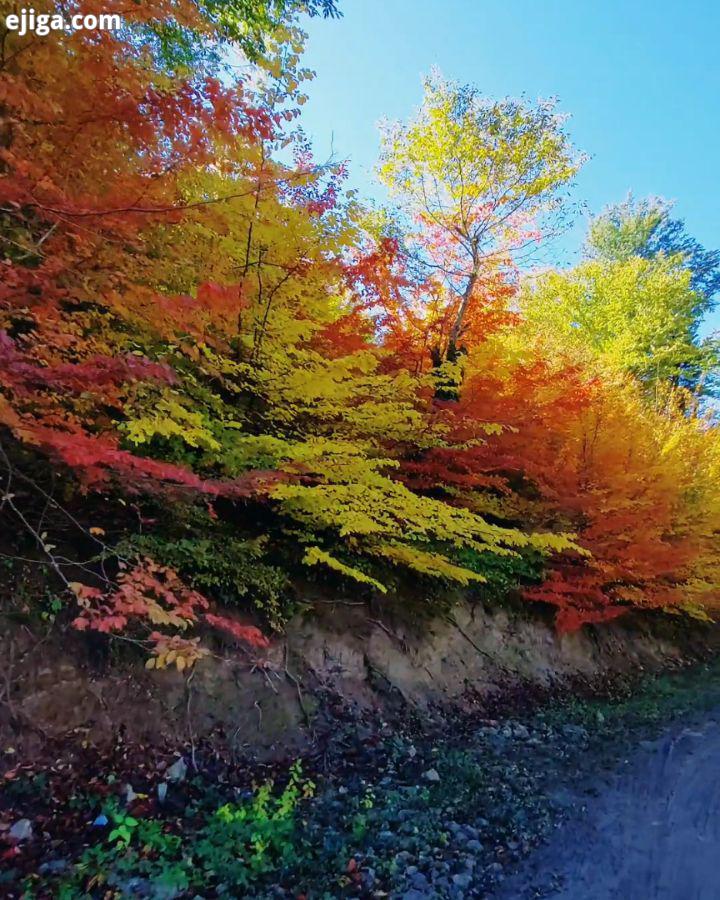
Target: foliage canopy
[226, 378]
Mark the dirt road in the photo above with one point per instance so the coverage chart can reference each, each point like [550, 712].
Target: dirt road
[651, 833]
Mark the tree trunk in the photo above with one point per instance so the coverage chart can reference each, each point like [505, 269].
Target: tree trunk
[456, 330]
[446, 389]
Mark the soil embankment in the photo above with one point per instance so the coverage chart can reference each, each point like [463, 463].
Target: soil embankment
[265, 703]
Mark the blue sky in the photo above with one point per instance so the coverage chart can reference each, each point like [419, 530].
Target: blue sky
[641, 80]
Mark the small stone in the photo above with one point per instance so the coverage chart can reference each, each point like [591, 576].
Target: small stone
[177, 771]
[22, 830]
[574, 732]
[131, 887]
[462, 881]
[101, 821]
[130, 794]
[160, 891]
[431, 775]
[474, 846]
[162, 791]
[53, 867]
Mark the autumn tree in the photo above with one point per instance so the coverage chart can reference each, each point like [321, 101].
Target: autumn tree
[220, 33]
[100, 147]
[635, 310]
[646, 228]
[477, 179]
[221, 375]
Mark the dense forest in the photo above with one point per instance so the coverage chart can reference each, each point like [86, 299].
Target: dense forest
[225, 376]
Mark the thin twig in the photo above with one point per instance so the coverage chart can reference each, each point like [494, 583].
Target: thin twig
[295, 681]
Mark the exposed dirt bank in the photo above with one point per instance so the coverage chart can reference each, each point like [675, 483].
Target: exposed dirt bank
[267, 704]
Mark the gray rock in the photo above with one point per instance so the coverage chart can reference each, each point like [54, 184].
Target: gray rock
[53, 867]
[131, 887]
[159, 891]
[497, 742]
[22, 830]
[431, 775]
[574, 732]
[418, 880]
[177, 771]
